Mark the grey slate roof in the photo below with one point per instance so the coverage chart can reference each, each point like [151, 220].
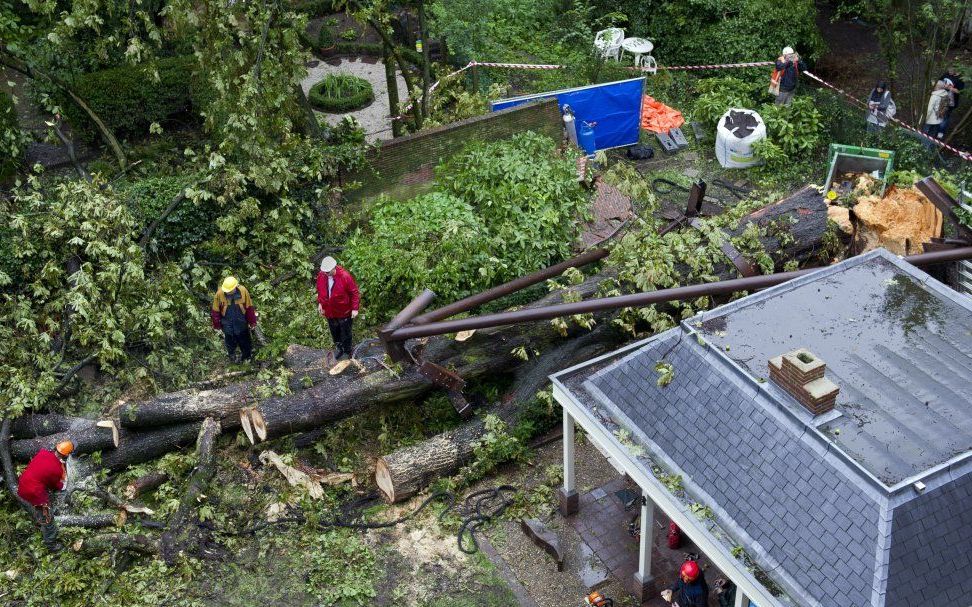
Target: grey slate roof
[817, 514]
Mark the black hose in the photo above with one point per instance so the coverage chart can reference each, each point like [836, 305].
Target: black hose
[667, 186]
[488, 505]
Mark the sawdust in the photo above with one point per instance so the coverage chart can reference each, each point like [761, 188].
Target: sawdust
[431, 556]
[841, 216]
[901, 222]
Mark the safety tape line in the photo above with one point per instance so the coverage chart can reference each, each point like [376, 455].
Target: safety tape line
[963, 155]
[535, 66]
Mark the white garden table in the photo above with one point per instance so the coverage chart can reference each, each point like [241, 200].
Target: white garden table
[637, 47]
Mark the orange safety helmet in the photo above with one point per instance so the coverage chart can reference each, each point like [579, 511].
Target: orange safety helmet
[690, 571]
[65, 448]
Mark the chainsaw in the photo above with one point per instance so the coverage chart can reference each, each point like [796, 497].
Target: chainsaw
[596, 599]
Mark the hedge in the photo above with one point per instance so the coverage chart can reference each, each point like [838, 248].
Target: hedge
[353, 93]
[128, 98]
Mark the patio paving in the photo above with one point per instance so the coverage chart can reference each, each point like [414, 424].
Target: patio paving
[602, 523]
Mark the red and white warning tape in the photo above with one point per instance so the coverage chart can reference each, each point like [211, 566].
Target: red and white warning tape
[963, 155]
[539, 66]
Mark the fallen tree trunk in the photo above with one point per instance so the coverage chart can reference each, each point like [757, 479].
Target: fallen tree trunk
[407, 471]
[9, 475]
[87, 521]
[33, 425]
[145, 445]
[107, 542]
[86, 435]
[144, 484]
[183, 534]
[222, 403]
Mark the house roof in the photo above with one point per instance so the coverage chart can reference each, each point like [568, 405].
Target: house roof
[832, 518]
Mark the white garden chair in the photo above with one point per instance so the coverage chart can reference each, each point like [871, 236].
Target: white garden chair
[608, 42]
[649, 64]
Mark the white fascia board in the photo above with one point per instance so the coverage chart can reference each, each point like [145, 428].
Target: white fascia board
[709, 546]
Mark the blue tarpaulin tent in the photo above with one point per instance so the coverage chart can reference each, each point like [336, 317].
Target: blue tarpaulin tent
[614, 106]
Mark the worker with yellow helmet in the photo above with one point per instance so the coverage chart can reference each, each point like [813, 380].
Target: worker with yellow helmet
[232, 313]
[46, 472]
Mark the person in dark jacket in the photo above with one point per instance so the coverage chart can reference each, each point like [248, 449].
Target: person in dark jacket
[232, 313]
[338, 300]
[46, 472]
[954, 85]
[880, 107]
[690, 590]
[791, 65]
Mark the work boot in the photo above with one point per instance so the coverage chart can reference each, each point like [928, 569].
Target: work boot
[49, 536]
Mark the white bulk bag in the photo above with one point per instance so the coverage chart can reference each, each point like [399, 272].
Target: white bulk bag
[737, 131]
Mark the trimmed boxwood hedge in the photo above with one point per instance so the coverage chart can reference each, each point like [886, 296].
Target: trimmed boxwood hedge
[128, 98]
[339, 93]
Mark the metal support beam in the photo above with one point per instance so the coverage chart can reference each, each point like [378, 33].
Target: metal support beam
[636, 300]
[569, 499]
[741, 600]
[513, 286]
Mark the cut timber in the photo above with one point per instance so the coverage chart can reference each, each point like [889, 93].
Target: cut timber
[99, 544]
[88, 521]
[143, 446]
[183, 534]
[87, 438]
[33, 425]
[803, 215]
[221, 403]
[144, 484]
[901, 222]
[407, 471]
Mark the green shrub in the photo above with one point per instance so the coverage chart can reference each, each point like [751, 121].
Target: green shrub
[349, 34]
[499, 210]
[339, 93]
[796, 128]
[186, 227]
[343, 570]
[325, 39]
[130, 98]
[716, 95]
[13, 141]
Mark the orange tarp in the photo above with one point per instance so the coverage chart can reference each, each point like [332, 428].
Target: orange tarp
[658, 117]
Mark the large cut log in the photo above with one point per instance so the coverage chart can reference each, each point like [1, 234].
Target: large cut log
[142, 446]
[145, 483]
[87, 435]
[222, 403]
[33, 425]
[183, 534]
[802, 215]
[87, 521]
[407, 471]
[108, 542]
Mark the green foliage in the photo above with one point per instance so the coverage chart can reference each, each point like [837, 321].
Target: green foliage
[497, 445]
[349, 35]
[13, 141]
[340, 93]
[325, 37]
[130, 98]
[796, 128]
[343, 570]
[701, 31]
[499, 210]
[716, 95]
[666, 373]
[114, 304]
[188, 226]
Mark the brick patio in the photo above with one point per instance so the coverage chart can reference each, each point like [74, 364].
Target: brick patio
[602, 524]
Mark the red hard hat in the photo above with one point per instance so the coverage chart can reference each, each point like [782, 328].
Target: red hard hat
[690, 571]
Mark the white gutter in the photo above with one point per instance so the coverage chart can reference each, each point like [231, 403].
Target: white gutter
[672, 508]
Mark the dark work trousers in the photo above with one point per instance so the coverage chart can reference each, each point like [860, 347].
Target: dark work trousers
[341, 334]
[241, 340]
[48, 527]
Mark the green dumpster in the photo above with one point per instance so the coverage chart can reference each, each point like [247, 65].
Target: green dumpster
[855, 159]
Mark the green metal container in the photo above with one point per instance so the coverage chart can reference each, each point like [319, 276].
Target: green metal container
[855, 159]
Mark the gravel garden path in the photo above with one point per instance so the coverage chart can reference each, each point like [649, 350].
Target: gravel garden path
[375, 118]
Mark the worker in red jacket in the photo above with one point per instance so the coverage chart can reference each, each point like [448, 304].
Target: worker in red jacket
[46, 472]
[337, 301]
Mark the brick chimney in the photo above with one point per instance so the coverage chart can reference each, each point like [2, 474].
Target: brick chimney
[801, 373]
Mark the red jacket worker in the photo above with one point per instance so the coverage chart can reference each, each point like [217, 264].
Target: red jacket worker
[45, 472]
[338, 301]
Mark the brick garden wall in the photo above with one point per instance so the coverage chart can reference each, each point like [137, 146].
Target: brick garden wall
[404, 162]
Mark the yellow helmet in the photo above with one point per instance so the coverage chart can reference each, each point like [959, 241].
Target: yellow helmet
[65, 448]
[229, 284]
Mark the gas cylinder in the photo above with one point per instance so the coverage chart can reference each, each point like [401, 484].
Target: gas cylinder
[586, 138]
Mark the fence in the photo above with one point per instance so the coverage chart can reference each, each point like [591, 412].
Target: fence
[401, 165]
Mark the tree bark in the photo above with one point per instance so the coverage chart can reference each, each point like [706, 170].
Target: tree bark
[405, 472]
[392, 83]
[33, 425]
[143, 446]
[427, 61]
[87, 521]
[183, 534]
[144, 484]
[107, 542]
[87, 437]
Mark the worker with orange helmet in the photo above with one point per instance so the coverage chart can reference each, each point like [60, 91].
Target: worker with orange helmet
[690, 590]
[46, 472]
